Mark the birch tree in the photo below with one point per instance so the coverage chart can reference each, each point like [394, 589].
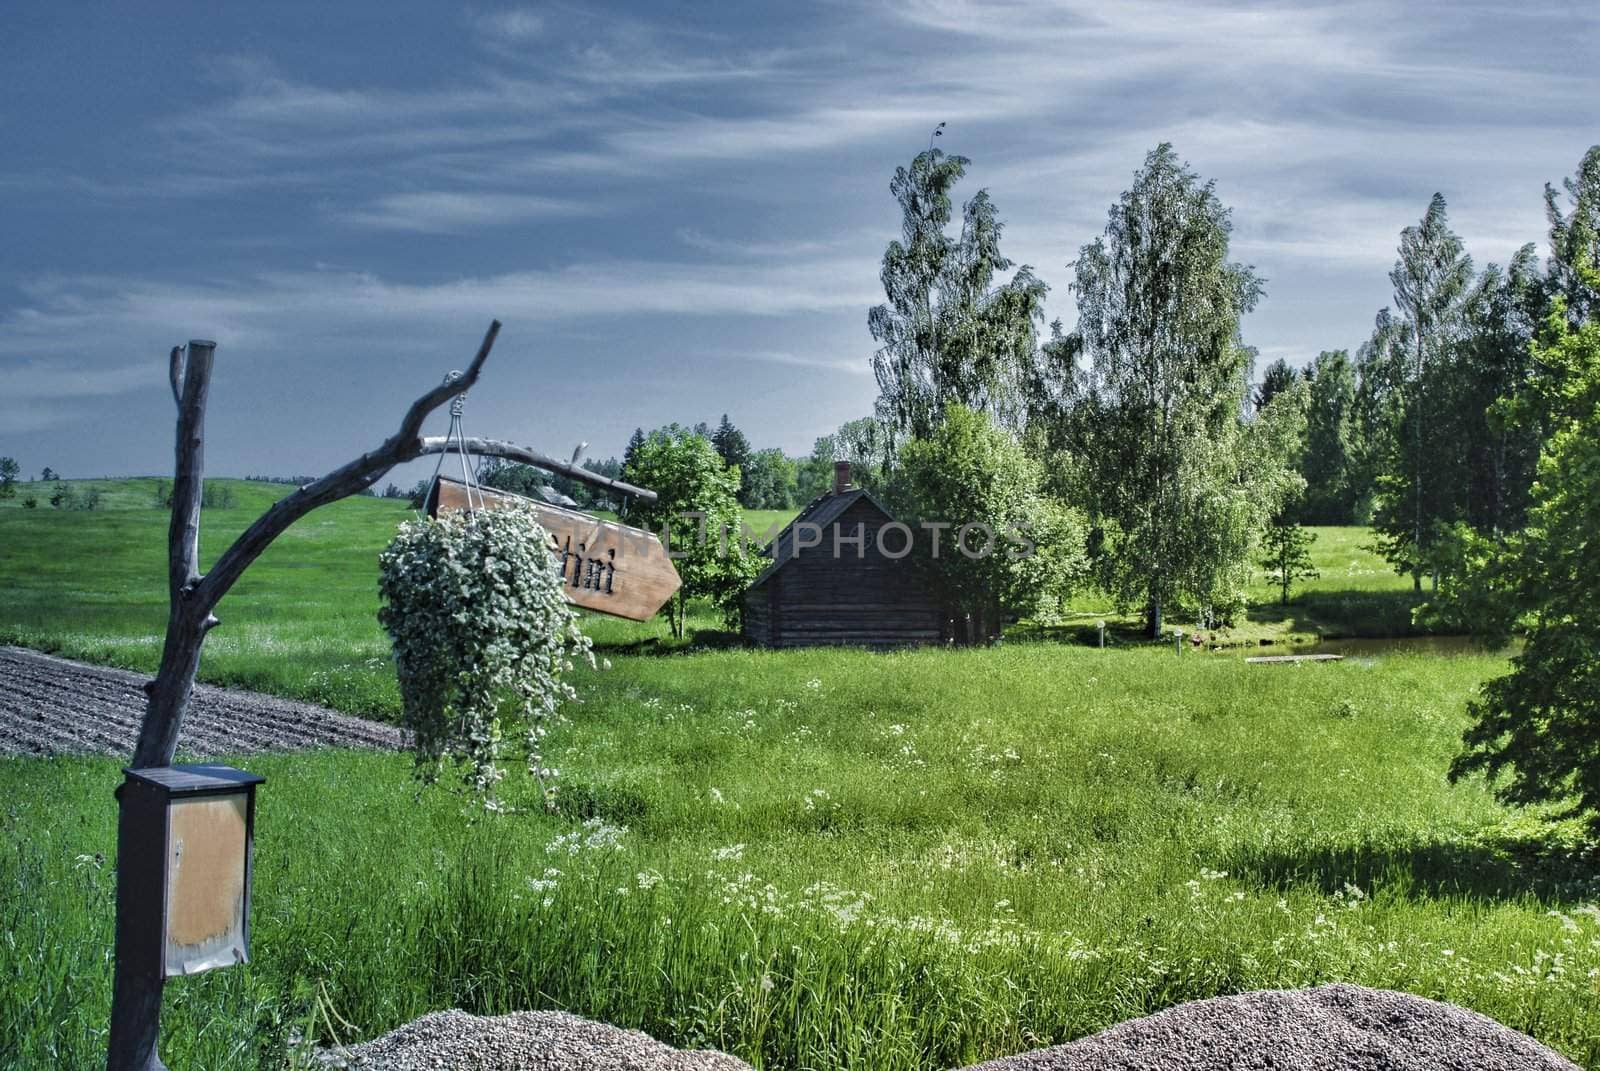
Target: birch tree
[1159, 417]
[948, 333]
[1431, 279]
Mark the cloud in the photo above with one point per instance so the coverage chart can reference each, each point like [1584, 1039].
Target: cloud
[724, 247]
[515, 24]
[22, 420]
[857, 366]
[271, 310]
[442, 211]
[41, 379]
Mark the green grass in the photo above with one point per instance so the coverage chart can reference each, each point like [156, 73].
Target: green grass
[831, 858]
[302, 622]
[1357, 594]
[836, 859]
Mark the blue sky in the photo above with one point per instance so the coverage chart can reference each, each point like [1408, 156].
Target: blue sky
[679, 211]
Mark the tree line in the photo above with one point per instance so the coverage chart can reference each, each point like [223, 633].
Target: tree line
[1148, 418]
[1465, 430]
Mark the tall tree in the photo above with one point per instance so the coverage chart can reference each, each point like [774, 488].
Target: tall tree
[948, 333]
[734, 449]
[1430, 280]
[1493, 366]
[867, 443]
[1159, 305]
[1378, 409]
[769, 480]
[1541, 722]
[635, 441]
[1326, 463]
[9, 471]
[1276, 378]
[1575, 239]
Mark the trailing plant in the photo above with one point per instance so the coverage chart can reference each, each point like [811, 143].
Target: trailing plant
[483, 639]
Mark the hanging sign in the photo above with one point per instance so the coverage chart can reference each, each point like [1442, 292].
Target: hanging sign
[606, 567]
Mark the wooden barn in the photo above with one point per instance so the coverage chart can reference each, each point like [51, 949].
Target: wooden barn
[844, 573]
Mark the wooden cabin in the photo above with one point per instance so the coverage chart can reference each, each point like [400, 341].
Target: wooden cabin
[845, 573]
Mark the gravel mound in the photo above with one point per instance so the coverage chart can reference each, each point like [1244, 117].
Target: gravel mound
[50, 706]
[524, 1041]
[1331, 1028]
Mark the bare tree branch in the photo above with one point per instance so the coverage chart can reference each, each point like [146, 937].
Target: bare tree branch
[348, 479]
[175, 373]
[411, 426]
[513, 452]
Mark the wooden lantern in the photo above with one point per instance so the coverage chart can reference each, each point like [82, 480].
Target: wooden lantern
[192, 861]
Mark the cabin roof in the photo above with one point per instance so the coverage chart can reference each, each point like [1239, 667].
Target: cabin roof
[554, 497]
[821, 511]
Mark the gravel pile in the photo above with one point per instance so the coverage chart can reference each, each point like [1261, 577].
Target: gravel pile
[1331, 1028]
[50, 706]
[525, 1041]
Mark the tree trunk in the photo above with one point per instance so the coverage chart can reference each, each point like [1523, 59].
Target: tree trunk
[1416, 457]
[1155, 619]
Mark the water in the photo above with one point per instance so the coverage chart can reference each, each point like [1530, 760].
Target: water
[1440, 646]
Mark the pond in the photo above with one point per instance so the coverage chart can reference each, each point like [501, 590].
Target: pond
[1372, 647]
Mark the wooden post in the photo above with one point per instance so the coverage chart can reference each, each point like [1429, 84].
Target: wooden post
[137, 980]
[136, 992]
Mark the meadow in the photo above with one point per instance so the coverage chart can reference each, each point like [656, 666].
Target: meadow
[812, 859]
[302, 622]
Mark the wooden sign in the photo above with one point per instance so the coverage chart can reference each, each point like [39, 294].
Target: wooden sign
[606, 567]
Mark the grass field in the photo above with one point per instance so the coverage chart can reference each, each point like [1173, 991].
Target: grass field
[303, 621]
[813, 859]
[846, 860]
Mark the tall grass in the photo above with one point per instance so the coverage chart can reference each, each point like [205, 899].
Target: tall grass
[832, 859]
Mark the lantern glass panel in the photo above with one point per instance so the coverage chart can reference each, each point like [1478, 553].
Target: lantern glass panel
[207, 845]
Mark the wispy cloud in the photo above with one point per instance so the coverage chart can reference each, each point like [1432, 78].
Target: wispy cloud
[514, 24]
[712, 187]
[856, 366]
[35, 380]
[442, 212]
[271, 308]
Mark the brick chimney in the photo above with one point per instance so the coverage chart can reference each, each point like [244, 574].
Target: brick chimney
[841, 477]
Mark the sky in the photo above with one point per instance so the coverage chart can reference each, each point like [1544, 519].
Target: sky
[679, 211]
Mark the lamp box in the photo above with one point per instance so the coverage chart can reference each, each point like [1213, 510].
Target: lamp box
[188, 867]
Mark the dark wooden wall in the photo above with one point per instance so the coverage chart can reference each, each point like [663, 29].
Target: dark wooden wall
[869, 601]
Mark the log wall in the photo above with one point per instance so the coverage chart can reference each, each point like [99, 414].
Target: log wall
[861, 599]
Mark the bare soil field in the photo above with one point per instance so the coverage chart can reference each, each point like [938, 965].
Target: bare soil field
[52, 706]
